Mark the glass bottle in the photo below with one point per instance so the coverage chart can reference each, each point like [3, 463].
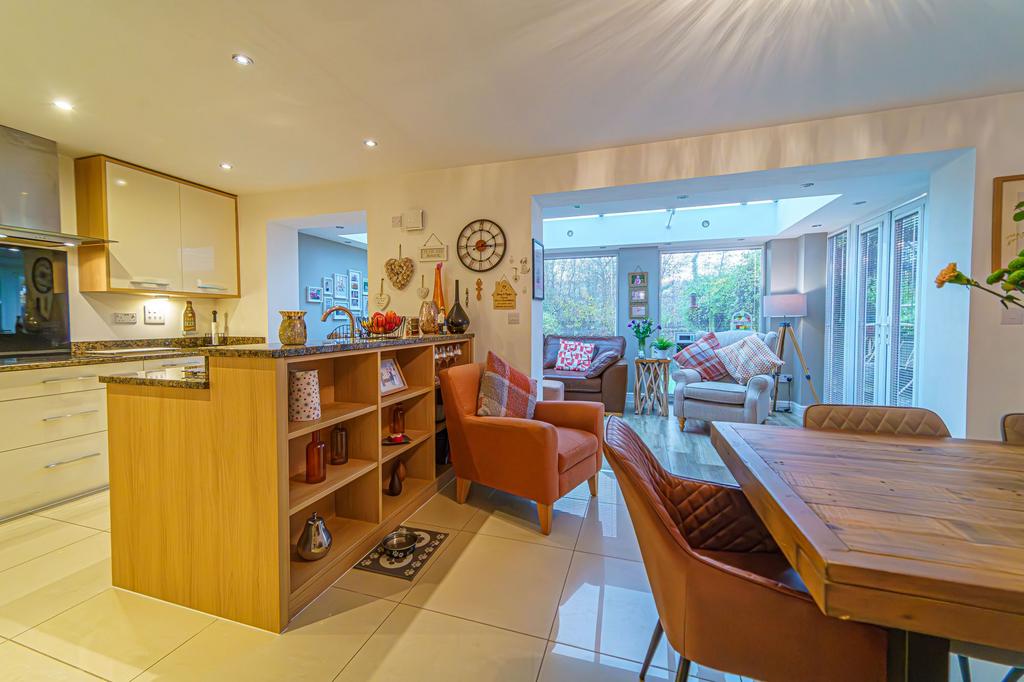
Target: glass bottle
[316, 461]
[188, 318]
[397, 420]
[339, 445]
[457, 321]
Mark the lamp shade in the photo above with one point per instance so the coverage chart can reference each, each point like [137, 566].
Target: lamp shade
[785, 305]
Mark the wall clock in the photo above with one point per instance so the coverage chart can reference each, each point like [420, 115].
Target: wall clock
[481, 245]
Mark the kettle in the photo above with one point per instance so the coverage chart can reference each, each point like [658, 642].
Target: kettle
[315, 541]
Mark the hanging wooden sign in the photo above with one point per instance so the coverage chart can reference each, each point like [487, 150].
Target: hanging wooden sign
[504, 295]
[433, 250]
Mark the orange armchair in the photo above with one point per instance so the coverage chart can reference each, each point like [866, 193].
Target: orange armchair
[540, 459]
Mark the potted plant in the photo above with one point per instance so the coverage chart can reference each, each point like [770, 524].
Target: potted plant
[661, 348]
[642, 330]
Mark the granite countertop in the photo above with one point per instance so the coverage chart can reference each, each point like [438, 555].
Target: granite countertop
[81, 352]
[277, 350]
[171, 377]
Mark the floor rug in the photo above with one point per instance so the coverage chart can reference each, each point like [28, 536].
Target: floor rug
[376, 561]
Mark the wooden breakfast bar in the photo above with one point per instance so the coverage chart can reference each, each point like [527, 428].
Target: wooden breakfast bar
[207, 492]
[921, 535]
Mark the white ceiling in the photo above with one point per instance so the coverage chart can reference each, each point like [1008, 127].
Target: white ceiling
[450, 82]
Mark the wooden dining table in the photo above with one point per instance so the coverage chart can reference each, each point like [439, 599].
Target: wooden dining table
[921, 535]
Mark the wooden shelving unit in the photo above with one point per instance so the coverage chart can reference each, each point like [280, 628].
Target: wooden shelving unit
[399, 396]
[413, 486]
[330, 414]
[302, 494]
[415, 438]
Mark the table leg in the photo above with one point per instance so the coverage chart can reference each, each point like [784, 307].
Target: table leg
[915, 657]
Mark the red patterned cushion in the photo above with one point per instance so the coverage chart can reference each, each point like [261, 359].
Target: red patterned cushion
[700, 356]
[747, 358]
[574, 356]
[504, 391]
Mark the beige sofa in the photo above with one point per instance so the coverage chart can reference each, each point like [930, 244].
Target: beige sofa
[724, 400]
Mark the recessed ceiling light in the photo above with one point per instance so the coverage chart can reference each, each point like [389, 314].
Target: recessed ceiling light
[24, 194]
[226, 166]
[369, 143]
[577, 205]
[807, 184]
[121, 182]
[816, 225]
[63, 105]
[69, 243]
[569, 233]
[13, 248]
[859, 203]
[3, 236]
[339, 227]
[243, 59]
[682, 196]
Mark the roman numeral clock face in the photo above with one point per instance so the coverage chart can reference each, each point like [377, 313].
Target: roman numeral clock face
[481, 245]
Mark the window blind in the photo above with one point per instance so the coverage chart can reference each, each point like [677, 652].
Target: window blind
[867, 306]
[903, 313]
[835, 318]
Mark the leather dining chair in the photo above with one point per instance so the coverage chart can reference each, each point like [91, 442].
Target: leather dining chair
[541, 459]
[917, 421]
[726, 596]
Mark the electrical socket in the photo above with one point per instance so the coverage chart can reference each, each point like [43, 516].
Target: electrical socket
[154, 313]
[124, 318]
[785, 378]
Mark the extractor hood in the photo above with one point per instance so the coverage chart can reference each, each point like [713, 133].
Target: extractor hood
[29, 192]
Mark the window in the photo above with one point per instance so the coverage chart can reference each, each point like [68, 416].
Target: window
[702, 290]
[580, 295]
[905, 229]
[835, 318]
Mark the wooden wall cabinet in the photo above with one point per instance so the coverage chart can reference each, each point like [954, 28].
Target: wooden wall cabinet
[167, 235]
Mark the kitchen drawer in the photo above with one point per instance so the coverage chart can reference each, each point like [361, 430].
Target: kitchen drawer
[31, 383]
[164, 363]
[52, 417]
[35, 476]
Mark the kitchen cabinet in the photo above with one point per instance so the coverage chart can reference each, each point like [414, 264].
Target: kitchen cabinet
[165, 235]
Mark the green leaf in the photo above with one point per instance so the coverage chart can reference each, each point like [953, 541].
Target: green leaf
[1018, 216]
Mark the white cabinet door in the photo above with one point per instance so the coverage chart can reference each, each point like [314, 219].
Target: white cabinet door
[209, 250]
[144, 219]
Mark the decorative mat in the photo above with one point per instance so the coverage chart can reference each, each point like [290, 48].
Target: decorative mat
[376, 561]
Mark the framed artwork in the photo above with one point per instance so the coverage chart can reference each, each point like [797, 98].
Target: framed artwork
[638, 295]
[638, 279]
[1007, 233]
[338, 315]
[637, 311]
[538, 271]
[328, 301]
[433, 250]
[314, 294]
[340, 284]
[391, 379]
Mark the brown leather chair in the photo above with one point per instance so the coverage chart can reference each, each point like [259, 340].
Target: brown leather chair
[1012, 428]
[604, 382]
[540, 459]
[726, 596]
[904, 421]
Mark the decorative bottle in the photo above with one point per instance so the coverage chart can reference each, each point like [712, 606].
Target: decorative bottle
[316, 460]
[457, 321]
[339, 445]
[397, 421]
[438, 288]
[188, 318]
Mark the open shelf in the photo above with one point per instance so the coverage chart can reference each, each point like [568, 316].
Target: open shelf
[330, 414]
[404, 394]
[346, 533]
[410, 488]
[417, 436]
[302, 494]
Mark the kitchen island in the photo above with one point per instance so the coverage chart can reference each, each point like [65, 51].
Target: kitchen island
[207, 489]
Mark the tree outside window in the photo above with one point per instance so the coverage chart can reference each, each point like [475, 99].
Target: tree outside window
[580, 296]
[702, 290]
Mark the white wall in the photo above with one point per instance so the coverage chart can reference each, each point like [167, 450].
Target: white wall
[504, 191]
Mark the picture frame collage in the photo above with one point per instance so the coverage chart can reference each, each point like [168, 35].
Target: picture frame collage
[639, 301]
[348, 289]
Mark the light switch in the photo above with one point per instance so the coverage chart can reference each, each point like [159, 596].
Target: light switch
[124, 318]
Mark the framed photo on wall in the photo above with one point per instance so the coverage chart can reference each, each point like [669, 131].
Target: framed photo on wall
[328, 302]
[538, 271]
[328, 285]
[638, 295]
[314, 294]
[638, 279]
[1007, 233]
[637, 311]
[340, 284]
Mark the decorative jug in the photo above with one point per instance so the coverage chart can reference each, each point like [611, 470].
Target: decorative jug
[315, 541]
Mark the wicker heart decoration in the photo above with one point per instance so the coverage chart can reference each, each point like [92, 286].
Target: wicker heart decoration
[399, 270]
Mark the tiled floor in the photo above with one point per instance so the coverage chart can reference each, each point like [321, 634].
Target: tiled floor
[498, 602]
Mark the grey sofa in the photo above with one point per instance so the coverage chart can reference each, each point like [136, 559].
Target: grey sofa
[723, 400]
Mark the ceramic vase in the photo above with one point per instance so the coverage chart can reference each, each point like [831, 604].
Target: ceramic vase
[315, 540]
[457, 320]
[292, 330]
[395, 484]
[303, 395]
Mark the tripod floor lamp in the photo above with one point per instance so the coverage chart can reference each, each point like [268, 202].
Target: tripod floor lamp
[788, 306]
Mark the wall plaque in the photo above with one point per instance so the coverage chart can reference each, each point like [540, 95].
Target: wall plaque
[504, 295]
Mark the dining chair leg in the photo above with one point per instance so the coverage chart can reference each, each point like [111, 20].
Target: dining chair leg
[592, 482]
[544, 515]
[684, 669]
[1014, 675]
[651, 648]
[462, 489]
[965, 667]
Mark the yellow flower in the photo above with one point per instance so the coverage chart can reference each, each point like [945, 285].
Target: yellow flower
[947, 274]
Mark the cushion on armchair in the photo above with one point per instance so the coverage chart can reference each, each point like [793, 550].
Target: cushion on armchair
[504, 391]
[700, 356]
[574, 356]
[747, 358]
[601, 362]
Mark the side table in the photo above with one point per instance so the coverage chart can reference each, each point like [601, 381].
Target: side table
[650, 387]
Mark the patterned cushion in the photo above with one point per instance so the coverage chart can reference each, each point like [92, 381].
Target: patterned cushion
[700, 356]
[504, 391]
[747, 358]
[574, 356]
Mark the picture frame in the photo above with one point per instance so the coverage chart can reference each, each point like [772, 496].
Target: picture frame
[328, 285]
[637, 311]
[355, 280]
[314, 294]
[638, 279]
[538, 271]
[340, 282]
[638, 295]
[391, 378]
[1007, 235]
[434, 254]
[328, 302]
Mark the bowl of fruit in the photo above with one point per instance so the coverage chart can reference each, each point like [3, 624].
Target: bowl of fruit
[382, 324]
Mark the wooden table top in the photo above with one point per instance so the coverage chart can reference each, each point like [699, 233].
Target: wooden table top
[921, 534]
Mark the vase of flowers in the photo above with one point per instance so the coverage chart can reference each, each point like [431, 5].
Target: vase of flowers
[642, 330]
[661, 349]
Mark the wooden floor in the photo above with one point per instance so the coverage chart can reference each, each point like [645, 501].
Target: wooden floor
[689, 453]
